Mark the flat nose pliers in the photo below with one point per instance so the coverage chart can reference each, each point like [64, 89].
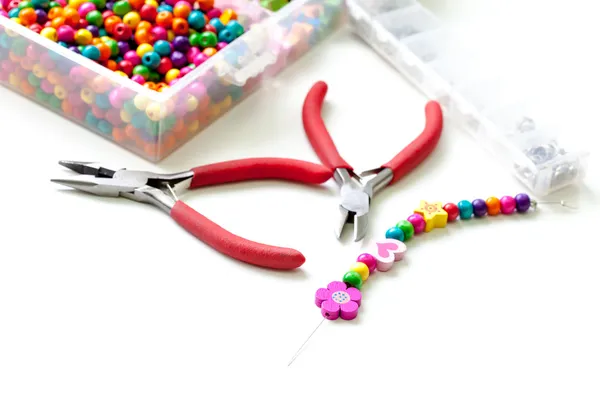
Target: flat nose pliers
[356, 194]
[160, 190]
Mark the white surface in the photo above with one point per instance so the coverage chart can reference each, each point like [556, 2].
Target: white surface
[107, 298]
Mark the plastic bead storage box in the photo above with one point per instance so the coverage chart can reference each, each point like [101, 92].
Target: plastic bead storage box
[148, 122]
[486, 83]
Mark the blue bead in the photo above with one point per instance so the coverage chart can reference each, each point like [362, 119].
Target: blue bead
[63, 44]
[104, 127]
[465, 209]
[151, 59]
[14, 13]
[226, 36]
[216, 22]
[162, 47]
[102, 101]
[91, 52]
[196, 20]
[138, 120]
[164, 7]
[235, 27]
[91, 120]
[395, 233]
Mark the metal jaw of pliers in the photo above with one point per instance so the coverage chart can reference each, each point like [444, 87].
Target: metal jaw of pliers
[160, 190]
[355, 191]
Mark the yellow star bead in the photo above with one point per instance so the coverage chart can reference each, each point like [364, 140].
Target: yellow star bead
[434, 214]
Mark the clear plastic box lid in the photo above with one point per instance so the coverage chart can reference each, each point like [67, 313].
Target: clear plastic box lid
[499, 88]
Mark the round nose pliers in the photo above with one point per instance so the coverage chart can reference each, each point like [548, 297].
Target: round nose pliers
[160, 191]
[356, 194]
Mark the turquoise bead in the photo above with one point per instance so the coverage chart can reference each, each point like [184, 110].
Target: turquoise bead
[14, 13]
[91, 119]
[166, 7]
[104, 127]
[395, 233]
[226, 36]
[235, 27]
[91, 52]
[196, 20]
[465, 209]
[130, 107]
[102, 101]
[151, 59]
[162, 48]
[138, 120]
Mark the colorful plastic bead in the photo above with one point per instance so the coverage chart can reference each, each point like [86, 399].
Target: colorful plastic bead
[479, 208]
[395, 233]
[369, 260]
[507, 204]
[465, 209]
[418, 222]
[387, 252]
[523, 202]
[338, 300]
[407, 228]
[362, 269]
[434, 215]
[353, 279]
[452, 210]
[493, 206]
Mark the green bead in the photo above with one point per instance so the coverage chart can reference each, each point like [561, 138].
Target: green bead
[154, 76]
[153, 128]
[53, 4]
[24, 4]
[95, 18]
[195, 39]
[54, 102]
[141, 70]
[169, 121]
[208, 39]
[121, 7]
[114, 47]
[33, 80]
[40, 3]
[407, 228]
[41, 96]
[352, 278]
[465, 208]
[100, 4]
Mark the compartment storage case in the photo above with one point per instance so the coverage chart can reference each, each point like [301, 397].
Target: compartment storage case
[154, 124]
[482, 81]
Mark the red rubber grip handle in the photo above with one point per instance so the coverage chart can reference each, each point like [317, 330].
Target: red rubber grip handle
[420, 148]
[317, 131]
[234, 246]
[260, 168]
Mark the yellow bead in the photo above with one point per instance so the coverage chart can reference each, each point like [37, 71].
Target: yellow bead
[191, 103]
[123, 74]
[39, 71]
[13, 79]
[170, 35]
[193, 126]
[132, 19]
[104, 39]
[143, 49]
[362, 269]
[141, 102]
[171, 74]
[76, 3]
[152, 3]
[434, 214]
[155, 112]
[16, 20]
[87, 95]
[125, 117]
[49, 33]
[60, 92]
[163, 88]
[226, 103]
[83, 37]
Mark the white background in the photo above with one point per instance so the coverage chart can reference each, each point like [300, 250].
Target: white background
[110, 299]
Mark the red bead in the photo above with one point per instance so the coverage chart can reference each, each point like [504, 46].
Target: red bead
[452, 210]
[210, 28]
[126, 66]
[82, 24]
[37, 28]
[164, 66]
[122, 32]
[148, 13]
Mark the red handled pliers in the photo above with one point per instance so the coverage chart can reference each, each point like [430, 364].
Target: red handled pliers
[356, 195]
[160, 189]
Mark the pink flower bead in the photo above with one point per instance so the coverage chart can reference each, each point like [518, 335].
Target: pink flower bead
[508, 204]
[369, 260]
[338, 300]
[418, 222]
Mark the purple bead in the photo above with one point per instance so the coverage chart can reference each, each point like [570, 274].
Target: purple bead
[181, 43]
[123, 47]
[523, 202]
[109, 5]
[479, 207]
[42, 17]
[74, 49]
[93, 30]
[179, 60]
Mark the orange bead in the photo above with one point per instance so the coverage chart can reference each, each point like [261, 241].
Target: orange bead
[119, 135]
[53, 77]
[182, 10]
[206, 5]
[144, 25]
[150, 85]
[111, 64]
[493, 205]
[150, 149]
[180, 26]
[26, 88]
[164, 19]
[131, 132]
[27, 16]
[100, 84]
[104, 51]
[136, 4]
[55, 12]
[110, 22]
[72, 17]
[66, 107]
[58, 22]
[210, 51]
[227, 15]
[96, 40]
[142, 36]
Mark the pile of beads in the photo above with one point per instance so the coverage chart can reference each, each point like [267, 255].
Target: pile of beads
[152, 43]
[341, 299]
